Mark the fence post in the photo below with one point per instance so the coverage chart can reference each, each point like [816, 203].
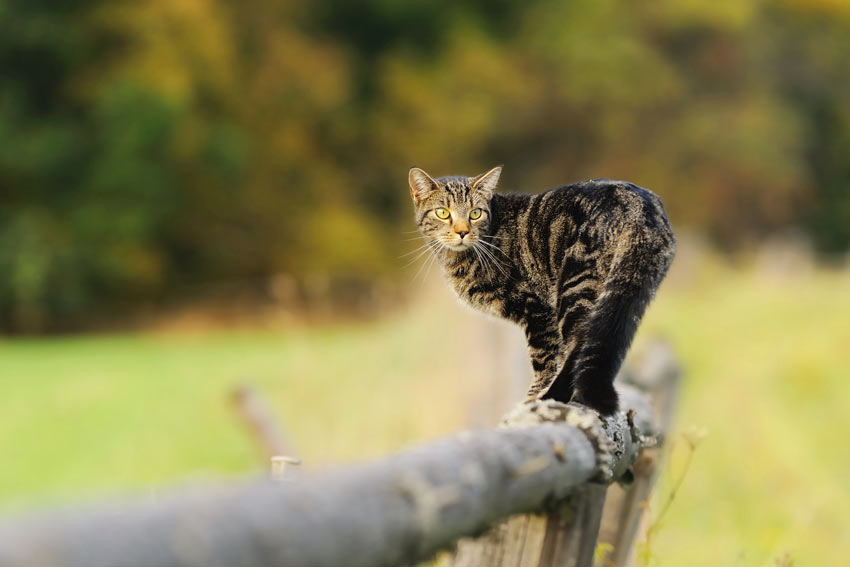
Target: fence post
[257, 414]
[284, 468]
[566, 535]
[657, 373]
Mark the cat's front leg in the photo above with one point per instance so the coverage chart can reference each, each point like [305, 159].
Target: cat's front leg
[544, 345]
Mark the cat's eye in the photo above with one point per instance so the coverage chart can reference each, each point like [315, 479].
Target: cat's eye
[475, 214]
[442, 213]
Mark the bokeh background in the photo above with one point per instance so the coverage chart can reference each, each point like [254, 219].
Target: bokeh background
[196, 194]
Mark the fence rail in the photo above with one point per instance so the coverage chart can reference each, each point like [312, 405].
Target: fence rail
[399, 510]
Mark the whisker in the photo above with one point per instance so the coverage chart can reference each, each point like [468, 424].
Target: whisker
[478, 257]
[425, 243]
[491, 245]
[429, 262]
[495, 257]
[485, 261]
[492, 253]
[495, 261]
[492, 266]
[481, 260]
[418, 248]
[428, 270]
[430, 247]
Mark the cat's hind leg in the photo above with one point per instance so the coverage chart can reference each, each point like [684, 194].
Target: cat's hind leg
[634, 276]
[578, 290]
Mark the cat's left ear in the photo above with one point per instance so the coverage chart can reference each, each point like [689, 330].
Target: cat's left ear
[486, 182]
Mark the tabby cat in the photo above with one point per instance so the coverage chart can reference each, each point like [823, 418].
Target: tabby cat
[575, 267]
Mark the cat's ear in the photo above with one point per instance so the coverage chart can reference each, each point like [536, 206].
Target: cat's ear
[486, 182]
[420, 184]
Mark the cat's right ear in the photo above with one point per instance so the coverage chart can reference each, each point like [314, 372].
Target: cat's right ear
[420, 184]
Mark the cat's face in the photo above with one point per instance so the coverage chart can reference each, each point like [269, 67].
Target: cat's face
[453, 211]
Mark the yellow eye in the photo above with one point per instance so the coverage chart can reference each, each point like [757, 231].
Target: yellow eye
[442, 213]
[475, 214]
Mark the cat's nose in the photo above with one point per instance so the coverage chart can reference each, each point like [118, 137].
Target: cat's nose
[462, 233]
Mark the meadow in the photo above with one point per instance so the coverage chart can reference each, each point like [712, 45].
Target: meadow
[765, 353]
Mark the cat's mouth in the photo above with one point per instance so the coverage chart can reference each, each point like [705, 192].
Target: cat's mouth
[459, 245]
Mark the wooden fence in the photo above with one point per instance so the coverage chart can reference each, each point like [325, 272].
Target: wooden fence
[529, 493]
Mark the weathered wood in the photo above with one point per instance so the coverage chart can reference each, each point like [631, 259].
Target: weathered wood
[658, 373]
[284, 468]
[396, 511]
[571, 531]
[254, 410]
[566, 535]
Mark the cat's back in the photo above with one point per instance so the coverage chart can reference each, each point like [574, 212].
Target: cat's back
[595, 215]
[602, 196]
[593, 201]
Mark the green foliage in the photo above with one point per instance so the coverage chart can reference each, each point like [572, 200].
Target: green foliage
[149, 144]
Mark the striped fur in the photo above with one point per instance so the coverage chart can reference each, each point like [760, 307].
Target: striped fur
[575, 267]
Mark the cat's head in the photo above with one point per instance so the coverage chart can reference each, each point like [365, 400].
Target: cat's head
[454, 211]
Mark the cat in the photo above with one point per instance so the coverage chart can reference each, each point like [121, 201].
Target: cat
[574, 266]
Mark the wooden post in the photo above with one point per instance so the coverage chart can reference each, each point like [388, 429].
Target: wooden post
[284, 468]
[658, 373]
[566, 534]
[563, 537]
[255, 411]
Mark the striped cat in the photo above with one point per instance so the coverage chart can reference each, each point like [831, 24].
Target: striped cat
[575, 267]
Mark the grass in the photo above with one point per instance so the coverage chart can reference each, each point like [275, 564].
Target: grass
[767, 367]
[98, 415]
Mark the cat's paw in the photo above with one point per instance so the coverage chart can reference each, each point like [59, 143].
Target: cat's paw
[602, 399]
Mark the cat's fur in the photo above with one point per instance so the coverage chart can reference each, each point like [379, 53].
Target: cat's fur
[575, 267]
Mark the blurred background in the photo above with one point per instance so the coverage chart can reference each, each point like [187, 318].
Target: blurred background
[196, 194]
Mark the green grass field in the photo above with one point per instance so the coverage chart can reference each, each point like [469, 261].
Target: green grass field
[767, 361]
